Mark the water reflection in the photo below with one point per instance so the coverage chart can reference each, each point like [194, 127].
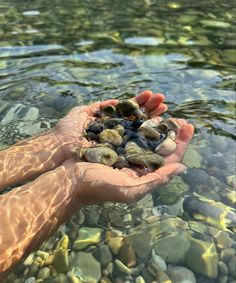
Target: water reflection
[55, 55]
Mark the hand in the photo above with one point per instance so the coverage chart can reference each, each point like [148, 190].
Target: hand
[70, 129]
[98, 183]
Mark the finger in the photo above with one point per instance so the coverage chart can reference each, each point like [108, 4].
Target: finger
[184, 136]
[154, 101]
[159, 110]
[143, 97]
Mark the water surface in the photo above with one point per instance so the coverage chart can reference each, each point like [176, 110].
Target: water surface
[55, 55]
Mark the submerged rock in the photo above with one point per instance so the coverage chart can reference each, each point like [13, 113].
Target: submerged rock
[202, 257]
[87, 236]
[180, 274]
[110, 136]
[103, 155]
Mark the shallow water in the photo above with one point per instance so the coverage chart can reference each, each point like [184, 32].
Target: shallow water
[56, 55]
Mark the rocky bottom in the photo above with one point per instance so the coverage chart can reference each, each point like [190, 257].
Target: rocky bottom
[159, 239]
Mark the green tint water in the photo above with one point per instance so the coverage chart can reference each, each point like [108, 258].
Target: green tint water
[58, 54]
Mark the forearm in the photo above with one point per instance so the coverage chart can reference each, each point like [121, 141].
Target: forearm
[30, 213]
[30, 158]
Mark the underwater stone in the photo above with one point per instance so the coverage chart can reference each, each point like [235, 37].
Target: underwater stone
[150, 132]
[157, 262]
[171, 192]
[89, 267]
[139, 279]
[192, 158]
[110, 136]
[44, 273]
[109, 110]
[61, 261]
[127, 254]
[180, 274]
[120, 129]
[127, 107]
[103, 255]
[151, 160]
[86, 237]
[202, 257]
[173, 248]
[167, 147]
[227, 255]
[96, 127]
[102, 155]
[132, 148]
[223, 269]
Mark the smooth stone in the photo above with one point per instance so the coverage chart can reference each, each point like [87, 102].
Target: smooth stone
[103, 255]
[110, 136]
[202, 257]
[149, 123]
[210, 211]
[30, 280]
[20, 111]
[63, 243]
[93, 213]
[158, 262]
[126, 270]
[127, 107]
[120, 218]
[109, 269]
[115, 242]
[102, 155]
[227, 255]
[150, 132]
[132, 148]
[89, 267]
[105, 279]
[44, 273]
[223, 269]
[223, 279]
[171, 192]
[141, 243]
[192, 158]
[109, 110]
[232, 267]
[167, 147]
[223, 240]
[151, 160]
[120, 129]
[231, 181]
[215, 24]
[180, 274]
[61, 261]
[173, 126]
[171, 134]
[173, 248]
[127, 254]
[96, 127]
[163, 128]
[140, 279]
[60, 278]
[86, 237]
[162, 277]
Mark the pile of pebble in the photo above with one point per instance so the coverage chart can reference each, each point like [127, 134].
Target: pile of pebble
[123, 136]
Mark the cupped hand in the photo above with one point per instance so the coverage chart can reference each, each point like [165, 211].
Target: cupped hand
[70, 129]
[98, 183]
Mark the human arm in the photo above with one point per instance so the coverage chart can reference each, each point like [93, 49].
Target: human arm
[36, 209]
[32, 157]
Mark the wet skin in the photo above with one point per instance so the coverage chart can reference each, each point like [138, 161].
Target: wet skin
[37, 209]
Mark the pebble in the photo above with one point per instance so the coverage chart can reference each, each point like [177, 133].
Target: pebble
[44, 273]
[110, 136]
[223, 269]
[167, 147]
[180, 274]
[86, 237]
[103, 255]
[202, 257]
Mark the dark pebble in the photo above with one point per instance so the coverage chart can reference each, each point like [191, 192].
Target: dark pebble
[96, 127]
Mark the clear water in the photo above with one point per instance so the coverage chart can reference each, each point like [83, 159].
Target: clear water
[58, 54]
